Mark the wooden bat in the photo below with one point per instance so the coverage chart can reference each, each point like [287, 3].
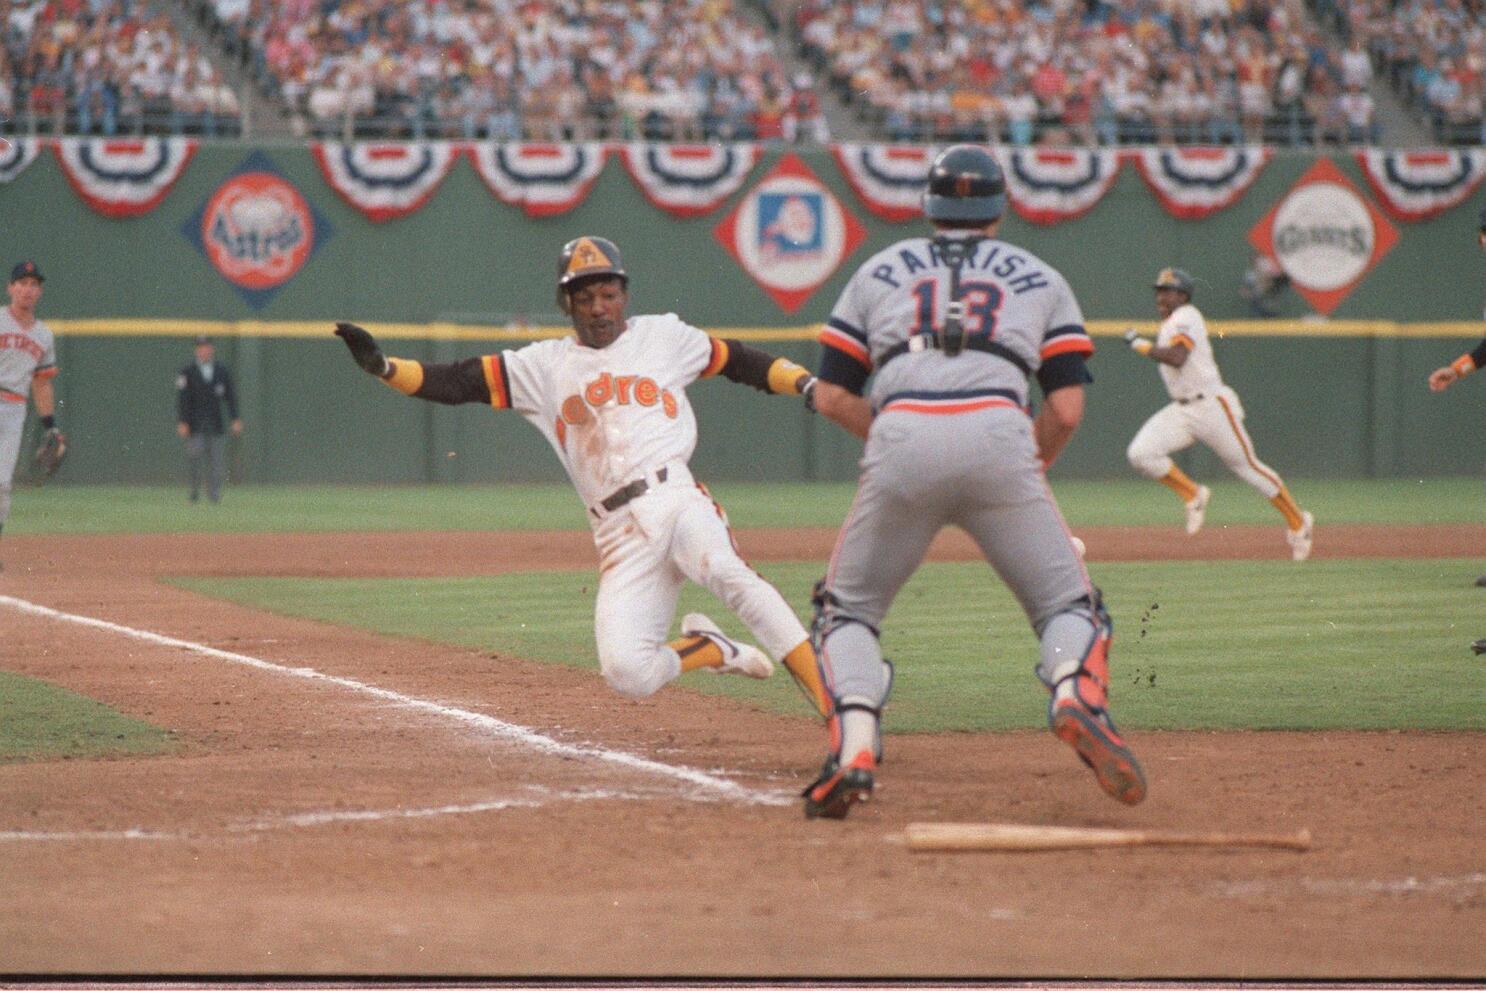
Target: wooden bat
[929, 836]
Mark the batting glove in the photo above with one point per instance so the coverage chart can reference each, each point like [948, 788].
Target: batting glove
[1137, 343]
[363, 348]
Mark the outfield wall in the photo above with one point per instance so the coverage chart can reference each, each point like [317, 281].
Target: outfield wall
[1344, 397]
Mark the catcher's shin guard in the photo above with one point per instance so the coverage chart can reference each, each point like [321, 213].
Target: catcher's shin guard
[843, 784]
[1078, 712]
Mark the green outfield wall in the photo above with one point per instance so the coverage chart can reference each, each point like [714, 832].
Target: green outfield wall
[468, 274]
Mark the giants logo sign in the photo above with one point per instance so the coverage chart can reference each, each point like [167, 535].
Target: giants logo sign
[1325, 235]
[257, 231]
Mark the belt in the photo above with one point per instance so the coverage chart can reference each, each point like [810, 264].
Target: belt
[626, 494]
[1192, 399]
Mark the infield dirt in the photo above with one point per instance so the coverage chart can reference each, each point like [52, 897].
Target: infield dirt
[304, 828]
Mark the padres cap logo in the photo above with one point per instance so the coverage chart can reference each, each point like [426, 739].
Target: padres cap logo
[586, 256]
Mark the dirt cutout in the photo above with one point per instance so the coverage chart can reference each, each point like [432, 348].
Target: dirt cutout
[347, 804]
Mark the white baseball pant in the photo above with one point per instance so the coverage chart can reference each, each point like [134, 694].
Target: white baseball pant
[1216, 421]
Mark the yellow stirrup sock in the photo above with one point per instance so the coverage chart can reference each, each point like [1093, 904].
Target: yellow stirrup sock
[697, 652]
[802, 666]
[1177, 481]
[1285, 503]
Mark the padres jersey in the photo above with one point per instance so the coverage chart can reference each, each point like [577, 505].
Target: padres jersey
[24, 355]
[1011, 297]
[615, 413]
[1198, 375]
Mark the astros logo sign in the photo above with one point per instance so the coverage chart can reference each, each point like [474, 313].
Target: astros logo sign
[257, 230]
[790, 233]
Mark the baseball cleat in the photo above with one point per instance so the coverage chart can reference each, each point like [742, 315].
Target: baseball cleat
[1094, 738]
[1300, 540]
[1479, 647]
[1481, 582]
[1197, 509]
[838, 788]
[737, 658]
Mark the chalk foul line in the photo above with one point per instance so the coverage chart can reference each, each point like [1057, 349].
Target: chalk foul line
[710, 784]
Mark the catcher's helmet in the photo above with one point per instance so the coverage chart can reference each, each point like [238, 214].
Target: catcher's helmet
[1174, 278]
[966, 186]
[583, 257]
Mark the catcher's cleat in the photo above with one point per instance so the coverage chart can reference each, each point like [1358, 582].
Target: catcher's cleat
[737, 658]
[838, 788]
[1479, 647]
[1481, 582]
[1092, 735]
[1300, 540]
[1197, 509]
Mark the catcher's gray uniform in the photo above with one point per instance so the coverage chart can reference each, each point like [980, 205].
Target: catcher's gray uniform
[952, 444]
[25, 354]
[954, 326]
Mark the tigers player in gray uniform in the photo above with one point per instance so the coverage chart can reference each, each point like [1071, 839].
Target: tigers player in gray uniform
[953, 326]
[28, 362]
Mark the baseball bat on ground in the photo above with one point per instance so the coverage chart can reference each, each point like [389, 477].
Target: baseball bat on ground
[940, 836]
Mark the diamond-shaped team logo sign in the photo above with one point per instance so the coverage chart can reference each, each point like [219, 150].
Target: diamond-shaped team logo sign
[257, 230]
[1326, 236]
[790, 233]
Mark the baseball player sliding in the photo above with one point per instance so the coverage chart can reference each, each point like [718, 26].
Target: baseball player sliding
[611, 401]
[952, 329]
[1202, 409]
[28, 363]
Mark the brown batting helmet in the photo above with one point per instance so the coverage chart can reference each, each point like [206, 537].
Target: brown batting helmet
[583, 258]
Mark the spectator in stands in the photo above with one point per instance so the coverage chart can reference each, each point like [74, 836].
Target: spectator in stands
[1358, 112]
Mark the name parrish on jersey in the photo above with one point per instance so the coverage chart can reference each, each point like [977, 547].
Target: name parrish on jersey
[1018, 316]
[990, 257]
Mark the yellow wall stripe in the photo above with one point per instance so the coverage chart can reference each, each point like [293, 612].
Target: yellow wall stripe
[129, 327]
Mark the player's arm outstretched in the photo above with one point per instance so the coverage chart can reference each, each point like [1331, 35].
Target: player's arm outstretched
[1442, 378]
[738, 362]
[1174, 355]
[452, 383]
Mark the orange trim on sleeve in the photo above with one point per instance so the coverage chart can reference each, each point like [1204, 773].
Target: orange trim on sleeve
[1463, 365]
[45, 373]
[495, 380]
[1182, 340]
[840, 342]
[718, 359]
[1074, 345]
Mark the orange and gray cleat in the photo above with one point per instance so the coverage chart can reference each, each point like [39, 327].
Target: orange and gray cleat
[1092, 735]
[838, 788]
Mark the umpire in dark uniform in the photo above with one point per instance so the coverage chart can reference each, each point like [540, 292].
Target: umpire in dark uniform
[201, 390]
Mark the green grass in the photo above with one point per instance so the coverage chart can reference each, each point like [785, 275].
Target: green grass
[40, 720]
[276, 508]
[1371, 644]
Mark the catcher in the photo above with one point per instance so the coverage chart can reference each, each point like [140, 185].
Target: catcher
[28, 364]
[611, 401]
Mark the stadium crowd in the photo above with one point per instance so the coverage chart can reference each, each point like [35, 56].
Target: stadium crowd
[1019, 71]
[1432, 52]
[1105, 71]
[511, 69]
[106, 67]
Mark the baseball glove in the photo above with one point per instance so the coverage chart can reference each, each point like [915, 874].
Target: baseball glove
[50, 454]
[363, 348]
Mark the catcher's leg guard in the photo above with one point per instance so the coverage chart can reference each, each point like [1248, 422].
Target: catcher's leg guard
[1075, 669]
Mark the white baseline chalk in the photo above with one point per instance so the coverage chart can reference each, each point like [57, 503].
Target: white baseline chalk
[498, 728]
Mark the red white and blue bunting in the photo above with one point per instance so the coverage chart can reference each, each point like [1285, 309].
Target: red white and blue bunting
[542, 179]
[889, 179]
[1417, 185]
[15, 155]
[386, 180]
[123, 177]
[1195, 182]
[1051, 185]
[689, 180]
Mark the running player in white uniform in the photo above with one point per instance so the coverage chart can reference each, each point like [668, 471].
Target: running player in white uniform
[1202, 409]
[612, 403]
[28, 363]
[950, 329]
